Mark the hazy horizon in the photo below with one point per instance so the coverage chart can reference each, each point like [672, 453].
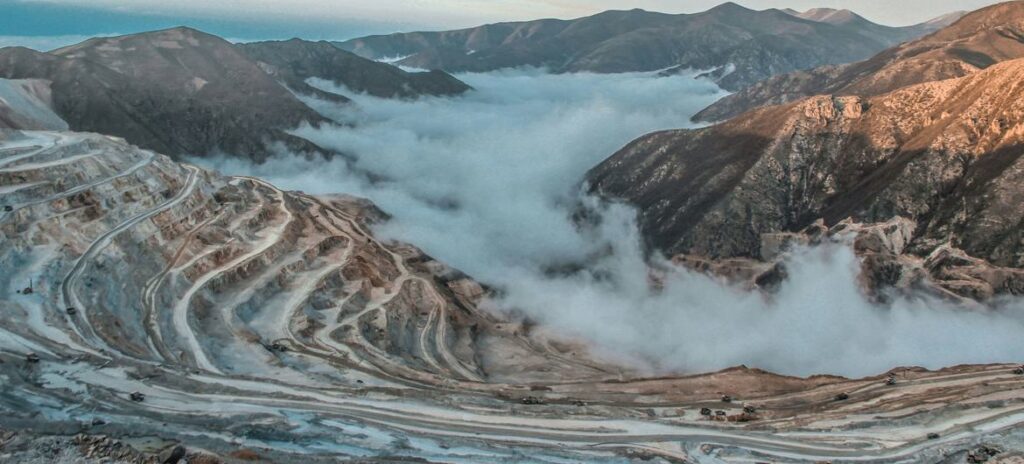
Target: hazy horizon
[46, 24]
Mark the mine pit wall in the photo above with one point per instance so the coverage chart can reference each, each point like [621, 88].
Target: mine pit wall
[422, 359]
[72, 221]
[215, 223]
[144, 250]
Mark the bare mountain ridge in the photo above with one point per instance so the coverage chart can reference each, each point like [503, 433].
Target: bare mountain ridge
[865, 27]
[184, 92]
[294, 61]
[179, 91]
[945, 155]
[752, 45]
[977, 40]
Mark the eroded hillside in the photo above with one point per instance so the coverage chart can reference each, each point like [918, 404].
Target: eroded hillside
[151, 305]
[943, 155]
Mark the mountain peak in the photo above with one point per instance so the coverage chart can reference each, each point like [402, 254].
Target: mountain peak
[199, 80]
[730, 7]
[827, 15]
[180, 29]
[975, 41]
[177, 38]
[179, 32]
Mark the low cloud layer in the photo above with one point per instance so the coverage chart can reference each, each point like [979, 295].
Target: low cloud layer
[487, 183]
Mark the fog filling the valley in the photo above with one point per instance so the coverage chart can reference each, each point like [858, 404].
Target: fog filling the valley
[487, 183]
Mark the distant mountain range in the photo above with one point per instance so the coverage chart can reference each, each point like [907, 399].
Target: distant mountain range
[873, 31]
[184, 92]
[977, 41]
[181, 91]
[900, 140]
[740, 46]
[156, 311]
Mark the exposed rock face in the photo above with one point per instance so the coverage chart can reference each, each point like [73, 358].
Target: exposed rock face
[742, 45]
[221, 249]
[294, 61]
[886, 264]
[974, 42]
[177, 91]
[28, 104]
[946, 155]
[212, 311]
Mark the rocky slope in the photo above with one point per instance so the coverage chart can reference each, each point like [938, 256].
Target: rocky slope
[178, 91]
[294, 61]
[742, 46]
[184, 92]
[944, 155]
[153, 310]
[28, 104]
[227, 257]
[974, 42]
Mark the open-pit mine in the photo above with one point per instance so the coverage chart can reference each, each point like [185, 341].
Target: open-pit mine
[155, 310]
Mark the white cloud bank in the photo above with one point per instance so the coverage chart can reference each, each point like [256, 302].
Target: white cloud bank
[487, 183]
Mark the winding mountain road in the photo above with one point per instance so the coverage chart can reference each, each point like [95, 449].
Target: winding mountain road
[276, 321]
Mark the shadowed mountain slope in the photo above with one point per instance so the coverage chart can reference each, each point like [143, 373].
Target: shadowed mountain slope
[741, 45]
[294, 61]
[184, 92]
[179, 91]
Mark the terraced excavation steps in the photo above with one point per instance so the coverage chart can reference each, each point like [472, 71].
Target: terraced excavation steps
[250, 317]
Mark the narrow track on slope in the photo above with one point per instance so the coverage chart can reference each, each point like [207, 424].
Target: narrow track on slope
[180, 311]
[70, 299]
[265, 291]
[154, 337]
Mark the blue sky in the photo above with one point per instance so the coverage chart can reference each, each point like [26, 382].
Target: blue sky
[50, 23]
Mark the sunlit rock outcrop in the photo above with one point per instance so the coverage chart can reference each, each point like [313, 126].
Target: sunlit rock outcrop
[944, 155]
